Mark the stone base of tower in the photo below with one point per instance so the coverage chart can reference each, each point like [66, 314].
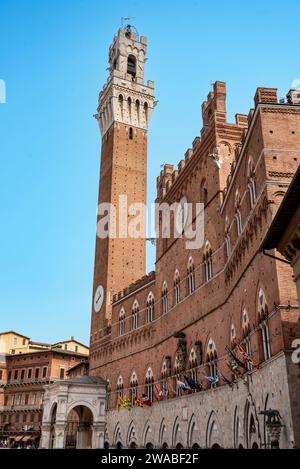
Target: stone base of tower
[223, 417]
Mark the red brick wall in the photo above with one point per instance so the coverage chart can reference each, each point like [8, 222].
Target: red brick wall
[119, 262]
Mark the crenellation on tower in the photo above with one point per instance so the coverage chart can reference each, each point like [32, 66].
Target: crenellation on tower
[293, 97]
[126, 98]
[134, 287]
[181, 166]
[230, 138]
[188, 155]
[241, 120]
[166, 175]
[196, 143]
[266, 96]
[214, 108]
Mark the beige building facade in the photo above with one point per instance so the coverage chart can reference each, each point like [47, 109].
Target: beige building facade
[14, 343]
[23, 377]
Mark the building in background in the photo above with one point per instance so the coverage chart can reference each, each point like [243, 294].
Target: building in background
[14, 343]
[23, 377]
[284, 233]
[80, 369]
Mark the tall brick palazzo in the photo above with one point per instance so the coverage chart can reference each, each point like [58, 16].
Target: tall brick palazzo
[180, 321]
[125, 106]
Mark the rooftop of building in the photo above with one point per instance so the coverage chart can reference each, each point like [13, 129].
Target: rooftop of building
[68, 341]
[134, 287]
[83, 363]
[52, 351]
[214, 114]
[14, 333]
[41, 344]
[86, 380]
[45, 345]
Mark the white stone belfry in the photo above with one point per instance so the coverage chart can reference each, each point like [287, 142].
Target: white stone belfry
[125, 98]
[85, 396]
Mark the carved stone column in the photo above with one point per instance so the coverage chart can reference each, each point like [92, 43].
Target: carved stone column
[60, 434]
[45, 442]
[98, 436]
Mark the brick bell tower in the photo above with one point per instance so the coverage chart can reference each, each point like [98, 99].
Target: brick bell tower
[124, 111]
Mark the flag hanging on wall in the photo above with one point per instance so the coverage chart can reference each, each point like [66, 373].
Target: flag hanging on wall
[139, 402]
[146, 401]
[193, 384]
[127, 404]
[183, 386]
[234, 357]
[248, 359]
[159, 394]
[213, 379]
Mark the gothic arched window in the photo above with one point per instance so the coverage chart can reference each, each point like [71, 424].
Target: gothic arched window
[164, 298]
[137, 105]
[135, 316]
[146, 107]
[176, 288]
[120, 387]
[133, 388]
[122, 322]
[193, 364]
[191, 278]
[264, 325]
[251, 183]
[149, 384]
[150, 308]
[252, 191]
[121, 103]
[238, 214]
[208, 262]
[131, 66]
[246, 329]
[227, 238]
[211, 359]
[129, 106]
[166, 371]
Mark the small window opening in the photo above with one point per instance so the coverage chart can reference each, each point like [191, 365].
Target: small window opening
[131, 66]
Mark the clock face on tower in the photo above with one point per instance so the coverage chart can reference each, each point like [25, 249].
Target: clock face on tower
[98, 299]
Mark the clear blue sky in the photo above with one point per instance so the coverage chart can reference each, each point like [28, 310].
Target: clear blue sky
[53, 58]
